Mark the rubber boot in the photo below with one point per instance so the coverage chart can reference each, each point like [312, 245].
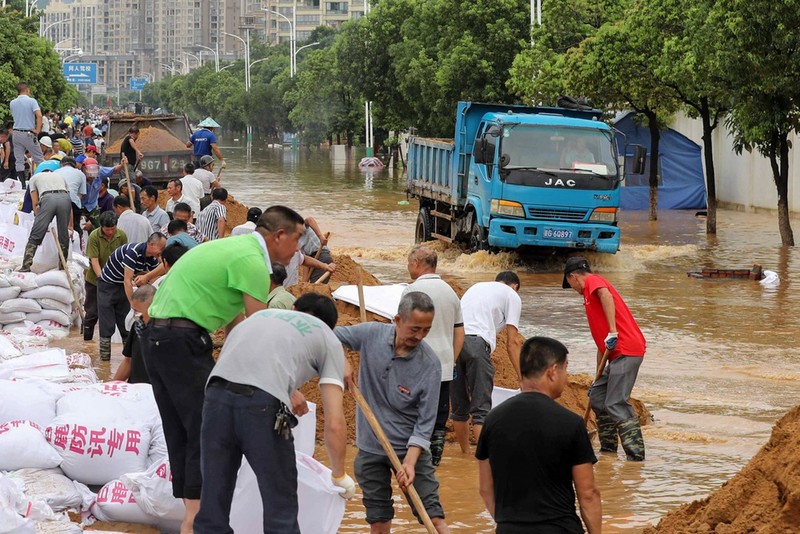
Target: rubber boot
[21, 178]
[105, 349]
[607, 432]
[27, 259]
[88, 333]
[65, 251]
[437, 446]
[630, 434]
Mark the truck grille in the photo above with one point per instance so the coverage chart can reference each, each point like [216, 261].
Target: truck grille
[556, 214]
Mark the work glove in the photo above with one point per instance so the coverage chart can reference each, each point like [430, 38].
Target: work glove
[346, 483]
[611, 341]
[223, 165]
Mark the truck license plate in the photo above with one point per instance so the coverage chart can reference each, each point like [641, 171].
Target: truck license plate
[550, 233]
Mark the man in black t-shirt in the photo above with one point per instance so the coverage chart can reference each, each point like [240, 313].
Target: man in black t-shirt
[130, 150]
[532, 451]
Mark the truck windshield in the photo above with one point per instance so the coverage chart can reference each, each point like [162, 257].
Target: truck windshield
[559, 150]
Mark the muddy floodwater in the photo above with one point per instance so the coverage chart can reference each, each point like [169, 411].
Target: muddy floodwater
[720, 367]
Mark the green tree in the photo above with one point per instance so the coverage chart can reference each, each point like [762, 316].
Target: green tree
[686, 61]
[612, 68]
[762, 57]
[26, 57]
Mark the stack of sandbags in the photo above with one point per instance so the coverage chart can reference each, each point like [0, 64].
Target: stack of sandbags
[44, 299]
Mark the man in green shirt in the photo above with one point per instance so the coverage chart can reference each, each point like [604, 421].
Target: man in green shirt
[213, 286]
[102, 242]
[278, 297]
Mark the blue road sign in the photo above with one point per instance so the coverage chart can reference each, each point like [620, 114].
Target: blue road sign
[137, 84]
[80, 73]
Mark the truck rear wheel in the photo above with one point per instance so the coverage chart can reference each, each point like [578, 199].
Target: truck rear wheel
[477, 238]
[423, 230]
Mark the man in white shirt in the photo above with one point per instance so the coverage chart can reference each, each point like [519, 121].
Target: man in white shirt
[249, 226]
[192, 189]
[135, 226]
[488, 308]
[175, 192]
[446, 336]
[205, 174]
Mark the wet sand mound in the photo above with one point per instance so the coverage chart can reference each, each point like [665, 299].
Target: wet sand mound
[574, 397]
[152, 139]
[237, 212]
[762, 498]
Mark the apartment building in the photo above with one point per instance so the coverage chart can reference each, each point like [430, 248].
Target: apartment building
[156, 38]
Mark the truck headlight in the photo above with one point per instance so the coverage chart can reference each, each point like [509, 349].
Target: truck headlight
[604, 215]
[506, 207]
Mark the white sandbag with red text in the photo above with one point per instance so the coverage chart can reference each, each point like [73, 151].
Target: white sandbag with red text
[115, 502]
[98, 446]
[321, 508]
[153, 492]
[23, 445]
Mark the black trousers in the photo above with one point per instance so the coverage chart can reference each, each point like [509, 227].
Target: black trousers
[178, 362]
[90, 307]
[113, 308]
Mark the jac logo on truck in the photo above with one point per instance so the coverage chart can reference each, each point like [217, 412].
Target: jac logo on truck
[558, 182]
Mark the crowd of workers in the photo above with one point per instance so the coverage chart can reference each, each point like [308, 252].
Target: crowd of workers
[167, 279]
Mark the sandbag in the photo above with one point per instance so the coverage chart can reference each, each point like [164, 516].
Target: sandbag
[24, 281]
[25, 305]
[79, 359]
[48, 365]
[49, 292]
[115, 502]
[8, 293]
[137, 400]
[83, 375]
[10, 327]
[305, 433]
[54, 329]
[4, 283]
[12, 317]
[153, 491]
[13, 509]
[53, 304]
[50, 315]
[50, 485]
[97, 447]
[52, 278]
[26, 400]
[321, 508]
[13, 238]
[22, 445]
[8, 349]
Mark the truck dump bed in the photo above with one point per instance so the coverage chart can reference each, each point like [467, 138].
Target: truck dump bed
[430, 172]
[162, 140]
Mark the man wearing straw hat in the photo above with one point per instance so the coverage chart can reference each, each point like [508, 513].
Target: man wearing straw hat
[203, 142]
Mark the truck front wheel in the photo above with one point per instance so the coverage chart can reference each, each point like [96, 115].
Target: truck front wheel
[423, 230]
[477, 238]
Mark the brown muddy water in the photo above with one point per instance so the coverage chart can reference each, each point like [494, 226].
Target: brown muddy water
[720, 366]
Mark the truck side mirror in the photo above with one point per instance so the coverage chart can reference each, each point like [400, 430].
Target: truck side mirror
[639, 159]
[479, 150]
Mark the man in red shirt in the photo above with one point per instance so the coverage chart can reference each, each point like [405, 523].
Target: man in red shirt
[614, 330]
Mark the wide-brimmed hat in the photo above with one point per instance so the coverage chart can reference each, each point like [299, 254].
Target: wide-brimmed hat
[208, 122]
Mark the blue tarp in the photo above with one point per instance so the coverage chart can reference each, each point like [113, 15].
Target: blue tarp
[682, 184]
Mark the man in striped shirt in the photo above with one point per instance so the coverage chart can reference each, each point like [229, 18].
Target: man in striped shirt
[183, 212]
[115, 285]
[212, 219]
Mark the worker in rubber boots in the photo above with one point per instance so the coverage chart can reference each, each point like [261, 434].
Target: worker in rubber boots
[614, 331]
[446, 336]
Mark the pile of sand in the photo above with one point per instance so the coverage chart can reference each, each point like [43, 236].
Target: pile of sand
[237, 212]
[574, 396]
[152, 139]
[764, 497]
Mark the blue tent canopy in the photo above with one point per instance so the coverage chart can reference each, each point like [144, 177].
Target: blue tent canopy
[682, 183]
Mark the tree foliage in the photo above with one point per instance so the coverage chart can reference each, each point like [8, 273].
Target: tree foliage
[26, 57]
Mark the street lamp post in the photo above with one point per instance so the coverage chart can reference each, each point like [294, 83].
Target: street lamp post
[44, 31]
[246, 43]
[29, 7]
[292, 38]
[215, 52]
[199, 61]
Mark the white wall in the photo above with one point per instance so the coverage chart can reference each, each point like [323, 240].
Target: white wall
[744, 182]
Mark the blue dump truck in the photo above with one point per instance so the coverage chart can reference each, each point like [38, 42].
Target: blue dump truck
[519, 176]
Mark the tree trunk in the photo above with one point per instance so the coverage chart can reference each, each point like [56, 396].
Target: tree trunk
[655, 136]
[708, 157]
[782, 183]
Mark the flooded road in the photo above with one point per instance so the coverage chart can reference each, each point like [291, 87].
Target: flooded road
[720, 366]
